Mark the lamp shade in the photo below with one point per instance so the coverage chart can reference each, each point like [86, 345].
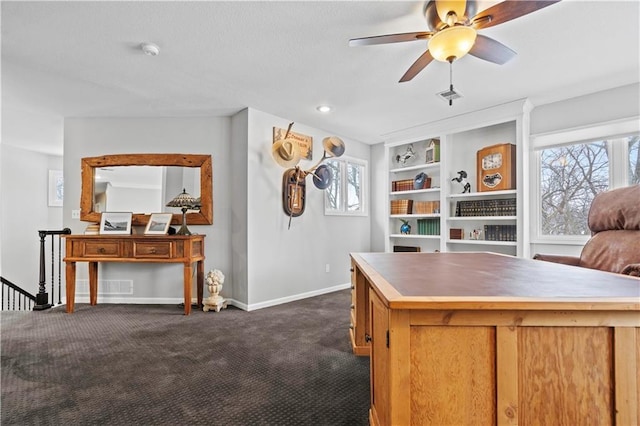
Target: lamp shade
[184, 199]
[452, 43]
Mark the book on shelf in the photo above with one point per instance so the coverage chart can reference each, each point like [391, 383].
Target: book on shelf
[426, 207]
[401, 206]
[491, 207]
[429, 226]
[500, 233]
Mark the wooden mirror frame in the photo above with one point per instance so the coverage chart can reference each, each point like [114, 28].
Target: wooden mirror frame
[90, 164]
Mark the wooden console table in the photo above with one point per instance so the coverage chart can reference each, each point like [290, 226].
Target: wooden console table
[185, 249]
[481, 338]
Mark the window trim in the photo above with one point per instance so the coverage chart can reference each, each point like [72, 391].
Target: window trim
[364, 194]
[608, 131]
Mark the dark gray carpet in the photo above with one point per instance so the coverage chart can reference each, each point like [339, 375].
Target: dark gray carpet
[151, 365]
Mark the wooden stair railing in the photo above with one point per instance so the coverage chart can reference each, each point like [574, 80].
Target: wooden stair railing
[42, 298]
[14, 298]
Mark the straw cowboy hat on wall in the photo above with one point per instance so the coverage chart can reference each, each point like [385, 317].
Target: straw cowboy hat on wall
[286, 152]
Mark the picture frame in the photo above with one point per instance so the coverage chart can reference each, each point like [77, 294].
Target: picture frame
[158, 224]
[115, 223]
[305, 142]
[56, 188]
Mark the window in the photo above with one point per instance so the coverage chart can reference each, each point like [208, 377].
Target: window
[346, 194]
[634, 159]
[571, 175]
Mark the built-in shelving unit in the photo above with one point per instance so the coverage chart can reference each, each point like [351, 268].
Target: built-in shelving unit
[459, 138]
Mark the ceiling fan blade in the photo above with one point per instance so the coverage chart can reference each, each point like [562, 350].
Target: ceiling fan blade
[506, 11]
[491, 50]
[389, 38]
[417, 66]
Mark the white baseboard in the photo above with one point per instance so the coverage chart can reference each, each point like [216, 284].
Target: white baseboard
[176, 300]
[280, 301]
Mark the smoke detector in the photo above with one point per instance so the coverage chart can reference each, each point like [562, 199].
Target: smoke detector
[150, 49]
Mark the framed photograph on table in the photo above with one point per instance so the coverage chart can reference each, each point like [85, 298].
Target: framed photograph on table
[158, 224]
[115, 223]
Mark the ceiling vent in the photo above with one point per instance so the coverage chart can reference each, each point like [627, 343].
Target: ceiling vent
[449, 95]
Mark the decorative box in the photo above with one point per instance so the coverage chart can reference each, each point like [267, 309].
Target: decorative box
[456, 234]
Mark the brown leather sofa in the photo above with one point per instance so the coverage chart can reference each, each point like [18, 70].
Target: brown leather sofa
[614, 246]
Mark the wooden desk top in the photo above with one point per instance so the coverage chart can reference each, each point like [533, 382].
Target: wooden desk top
[493, 281]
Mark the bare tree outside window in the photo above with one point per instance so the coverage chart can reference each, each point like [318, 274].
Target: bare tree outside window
[354, 176]
[571, 176]
[344, 195]
[634, 159]
[333, 198]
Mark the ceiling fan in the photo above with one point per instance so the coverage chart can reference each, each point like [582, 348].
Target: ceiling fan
[453, 26]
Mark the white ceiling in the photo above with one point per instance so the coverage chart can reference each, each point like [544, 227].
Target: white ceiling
[82, 59]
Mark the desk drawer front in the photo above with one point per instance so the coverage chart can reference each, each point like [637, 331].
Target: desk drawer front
[154, 250]
[101, 249]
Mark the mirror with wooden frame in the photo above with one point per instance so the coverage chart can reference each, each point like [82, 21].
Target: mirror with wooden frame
[123, 182]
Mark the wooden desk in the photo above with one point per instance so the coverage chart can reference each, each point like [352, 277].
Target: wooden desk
[479, 338]
[185, 249]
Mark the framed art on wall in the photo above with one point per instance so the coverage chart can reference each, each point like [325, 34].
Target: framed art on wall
[56, 188]
[158, 224]
[115, 223]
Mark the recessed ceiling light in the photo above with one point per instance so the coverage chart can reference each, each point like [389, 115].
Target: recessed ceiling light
[324, 108]
[150, 49]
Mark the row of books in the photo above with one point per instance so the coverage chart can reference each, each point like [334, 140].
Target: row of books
[500, 233]
[402, 185]
[410, 184]
[426, 207]
[401, 206]
[428, 226]
[497, 207]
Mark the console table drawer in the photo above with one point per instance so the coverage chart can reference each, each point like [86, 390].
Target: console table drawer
[160, 250]
[101, 249]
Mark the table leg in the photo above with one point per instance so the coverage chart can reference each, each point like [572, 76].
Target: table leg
[200, 282]
[188, 280]
[93, 283]
[71, 285]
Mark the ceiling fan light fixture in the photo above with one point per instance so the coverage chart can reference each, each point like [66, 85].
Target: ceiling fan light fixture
[448, 8]
[452, 43]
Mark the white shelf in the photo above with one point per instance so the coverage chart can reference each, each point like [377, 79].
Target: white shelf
[483, 194]
[481, 218]
[414, 236]
[423, 166]
[417, 216]
[484, 242]
[415, 191]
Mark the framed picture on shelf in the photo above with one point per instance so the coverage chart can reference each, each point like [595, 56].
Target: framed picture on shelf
[432, 153]
[158, 224]
[115, 223]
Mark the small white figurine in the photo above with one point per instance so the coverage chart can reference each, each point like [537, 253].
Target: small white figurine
[406, 156]
[214, 280]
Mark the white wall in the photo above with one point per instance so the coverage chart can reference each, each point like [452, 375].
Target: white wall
[239, 210]
[264, 262]
[87, 137]
[282, 263]
[600, 107]
[24, 211]
[379, 189]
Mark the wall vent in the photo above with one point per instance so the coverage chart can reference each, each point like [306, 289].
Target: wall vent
[106, 287]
